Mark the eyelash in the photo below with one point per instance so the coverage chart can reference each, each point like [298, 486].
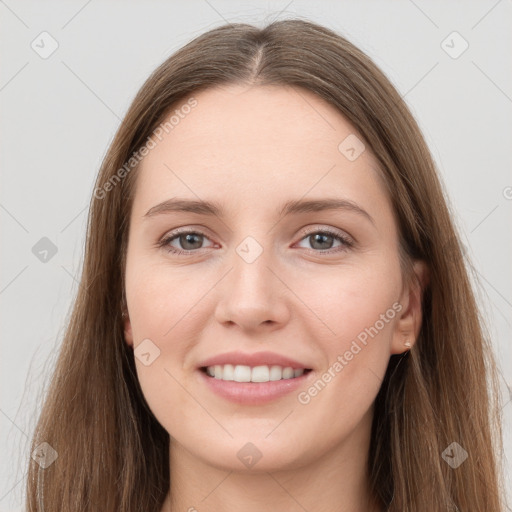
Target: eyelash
[346, 242]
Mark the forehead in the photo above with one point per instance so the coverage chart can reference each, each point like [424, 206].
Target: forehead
[253, 145]
[266, 117]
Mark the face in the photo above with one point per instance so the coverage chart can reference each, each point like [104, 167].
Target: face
[262, 281]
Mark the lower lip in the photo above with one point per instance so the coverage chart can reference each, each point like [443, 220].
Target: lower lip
[253, 393]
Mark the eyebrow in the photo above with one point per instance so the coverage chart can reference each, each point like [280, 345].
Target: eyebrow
[296, 206]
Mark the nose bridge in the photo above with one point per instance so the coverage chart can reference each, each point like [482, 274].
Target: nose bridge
[251, 293]
[251, 276]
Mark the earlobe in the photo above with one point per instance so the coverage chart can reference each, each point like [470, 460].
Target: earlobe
[408, 326]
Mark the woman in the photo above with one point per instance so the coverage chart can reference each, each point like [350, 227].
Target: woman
[274, 310]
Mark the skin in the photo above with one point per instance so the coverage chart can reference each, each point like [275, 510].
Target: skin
[251, 148]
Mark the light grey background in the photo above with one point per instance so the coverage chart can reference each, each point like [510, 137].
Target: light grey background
[59, 114]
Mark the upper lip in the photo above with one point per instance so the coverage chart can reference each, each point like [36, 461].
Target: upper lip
[254, 359]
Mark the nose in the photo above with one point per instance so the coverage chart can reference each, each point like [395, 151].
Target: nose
[252, 295]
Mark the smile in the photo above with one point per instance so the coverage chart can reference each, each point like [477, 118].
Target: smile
[248, 390]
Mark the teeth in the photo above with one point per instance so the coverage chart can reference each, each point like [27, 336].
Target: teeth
[241, 373]
[276, 373]
[260, 374]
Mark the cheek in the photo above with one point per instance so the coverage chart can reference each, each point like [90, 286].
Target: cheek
[160, 300]
[357, 311]
[351, 303]
[343, 392]
[162, 312]
[160, 306]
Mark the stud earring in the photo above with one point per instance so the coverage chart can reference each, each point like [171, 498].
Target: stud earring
[407, 344]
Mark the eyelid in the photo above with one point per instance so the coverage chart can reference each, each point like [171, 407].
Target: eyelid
[347, 242]
[183, 230]
[326, 229]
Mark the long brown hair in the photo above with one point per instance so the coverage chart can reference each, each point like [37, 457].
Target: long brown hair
[113, 455]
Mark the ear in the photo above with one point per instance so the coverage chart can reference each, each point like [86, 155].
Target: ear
[408, 325]
[128, 335]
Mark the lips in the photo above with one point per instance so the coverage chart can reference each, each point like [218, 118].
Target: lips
[263, 385]
[265, 358]
[254, 393]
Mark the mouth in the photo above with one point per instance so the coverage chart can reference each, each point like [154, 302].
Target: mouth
[256, 378]
[254, 385]
[253, 374]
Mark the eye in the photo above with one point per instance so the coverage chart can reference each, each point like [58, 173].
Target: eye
[188, 241]
[323, 240]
